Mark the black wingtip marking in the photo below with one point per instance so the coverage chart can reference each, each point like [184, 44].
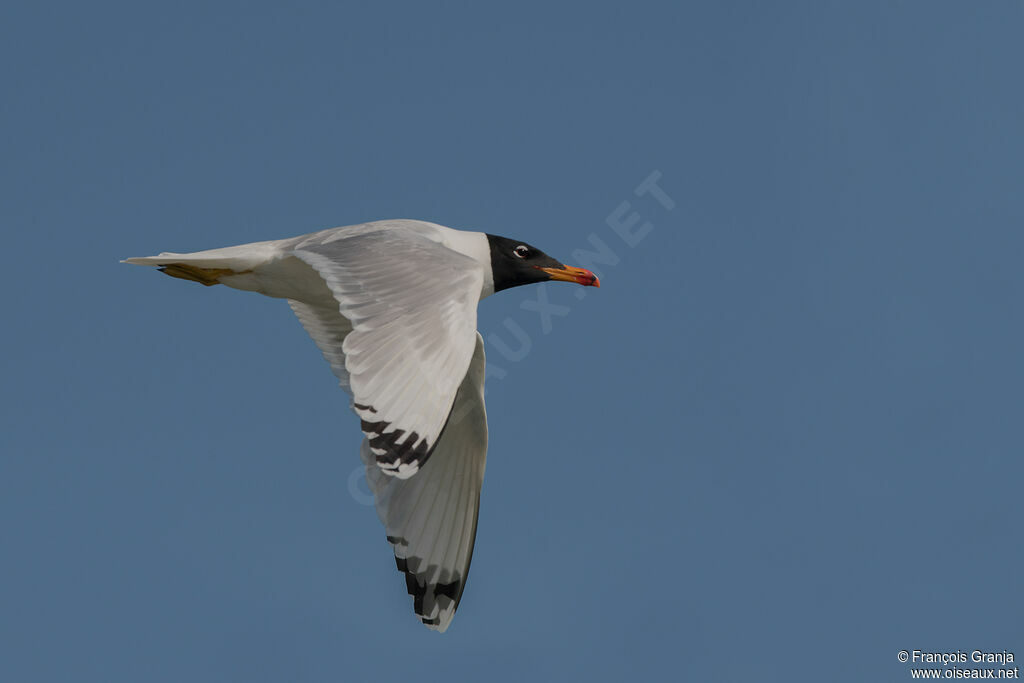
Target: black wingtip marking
[412, 451]
[449, 590]
[414, 590]
[425, 595]
[396, 454]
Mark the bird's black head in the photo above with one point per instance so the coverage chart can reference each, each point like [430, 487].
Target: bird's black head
[516, 263]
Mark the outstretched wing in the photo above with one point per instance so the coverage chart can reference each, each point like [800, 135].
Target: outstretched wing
[328, 329]
[411, 303]
[431, 518]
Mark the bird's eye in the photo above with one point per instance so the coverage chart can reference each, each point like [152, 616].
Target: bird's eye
[521, 251]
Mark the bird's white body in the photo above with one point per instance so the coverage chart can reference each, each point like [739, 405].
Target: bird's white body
[271, 269]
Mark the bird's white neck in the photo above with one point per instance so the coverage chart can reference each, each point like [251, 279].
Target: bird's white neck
[475, 246]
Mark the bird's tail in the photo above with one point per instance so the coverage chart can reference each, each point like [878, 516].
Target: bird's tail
[208, 267]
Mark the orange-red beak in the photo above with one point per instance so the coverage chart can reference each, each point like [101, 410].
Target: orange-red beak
[570, 274]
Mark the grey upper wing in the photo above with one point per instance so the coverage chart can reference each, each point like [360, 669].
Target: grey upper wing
[411, 303]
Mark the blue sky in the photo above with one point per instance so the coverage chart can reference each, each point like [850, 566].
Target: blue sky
[782, 441]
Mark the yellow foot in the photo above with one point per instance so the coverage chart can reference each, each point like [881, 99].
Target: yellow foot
[204, 276]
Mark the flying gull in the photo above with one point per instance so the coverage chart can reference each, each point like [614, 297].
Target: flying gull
[392, 307]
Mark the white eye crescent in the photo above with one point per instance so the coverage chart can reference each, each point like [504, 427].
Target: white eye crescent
[522, 251]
